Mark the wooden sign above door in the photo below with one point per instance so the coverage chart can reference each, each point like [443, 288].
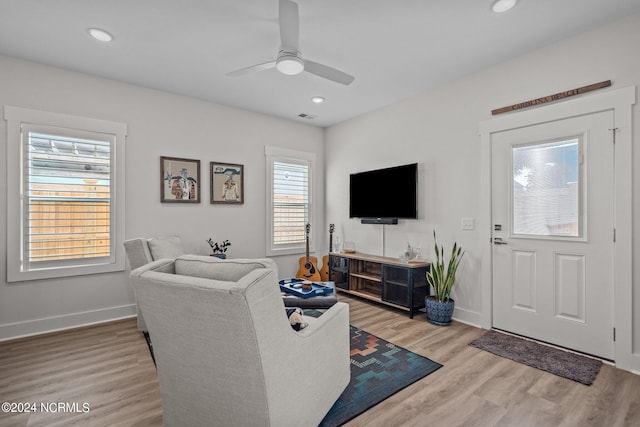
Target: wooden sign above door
[551, 98]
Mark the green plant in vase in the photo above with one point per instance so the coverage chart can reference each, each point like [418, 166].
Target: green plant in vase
[441, 277]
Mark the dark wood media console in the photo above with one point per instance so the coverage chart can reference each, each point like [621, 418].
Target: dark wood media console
[382, 279]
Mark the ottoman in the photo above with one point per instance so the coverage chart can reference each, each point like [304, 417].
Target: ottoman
[324, 301]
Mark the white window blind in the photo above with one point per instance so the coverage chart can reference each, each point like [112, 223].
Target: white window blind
[68, 204]
[546, 188]
[66, 197]
[290, 202]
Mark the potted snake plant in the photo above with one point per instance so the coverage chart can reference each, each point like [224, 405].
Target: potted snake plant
[439, 305]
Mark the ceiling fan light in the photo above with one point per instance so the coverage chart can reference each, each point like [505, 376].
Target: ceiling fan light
[290, 65]
[500, 6]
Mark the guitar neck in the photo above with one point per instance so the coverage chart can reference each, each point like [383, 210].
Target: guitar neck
[331, 228]
[307, 245]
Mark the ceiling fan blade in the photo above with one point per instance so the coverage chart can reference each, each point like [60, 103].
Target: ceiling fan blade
[289, 26]
[328, 72]
[251, 69]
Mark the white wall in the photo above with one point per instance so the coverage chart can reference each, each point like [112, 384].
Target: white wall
[160, 124]
[439, 129]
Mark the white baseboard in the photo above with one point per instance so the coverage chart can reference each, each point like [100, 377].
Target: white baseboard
[67, 321]
[467, 316]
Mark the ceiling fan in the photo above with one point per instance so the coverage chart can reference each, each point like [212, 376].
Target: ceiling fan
[289, 60]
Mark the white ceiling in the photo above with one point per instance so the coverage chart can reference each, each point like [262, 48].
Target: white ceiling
[394, 48]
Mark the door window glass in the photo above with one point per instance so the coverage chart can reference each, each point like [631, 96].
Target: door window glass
[546, 188]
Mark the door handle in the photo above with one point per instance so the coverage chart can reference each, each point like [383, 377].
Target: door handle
[498, 241]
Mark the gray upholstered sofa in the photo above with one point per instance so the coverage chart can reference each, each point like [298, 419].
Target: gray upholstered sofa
[225, 351]
[143, 251]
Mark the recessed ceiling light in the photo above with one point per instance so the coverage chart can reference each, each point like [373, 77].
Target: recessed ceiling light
[317, 99]
[500, 6]
[99, 34]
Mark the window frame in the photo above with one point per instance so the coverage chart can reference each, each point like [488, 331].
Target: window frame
[273, 154]
[68, 125]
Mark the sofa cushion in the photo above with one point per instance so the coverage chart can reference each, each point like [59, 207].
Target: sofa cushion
[230, 270]
[165, 247]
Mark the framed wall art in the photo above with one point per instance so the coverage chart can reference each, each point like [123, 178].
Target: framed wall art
[179, 180]
[227, 183]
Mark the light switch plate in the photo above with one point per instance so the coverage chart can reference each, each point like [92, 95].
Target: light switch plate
[468, 223]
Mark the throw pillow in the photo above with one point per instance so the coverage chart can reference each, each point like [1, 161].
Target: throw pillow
[165, 247]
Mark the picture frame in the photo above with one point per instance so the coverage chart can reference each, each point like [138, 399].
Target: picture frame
[179, 180]
[227, 183]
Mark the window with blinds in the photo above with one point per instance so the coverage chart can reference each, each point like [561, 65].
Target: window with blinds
[290, 202]
[67, 210]
[65, 194]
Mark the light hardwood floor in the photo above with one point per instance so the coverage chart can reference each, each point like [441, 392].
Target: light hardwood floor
[109, 367]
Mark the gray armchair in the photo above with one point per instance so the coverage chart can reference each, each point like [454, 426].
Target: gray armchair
[225, 351]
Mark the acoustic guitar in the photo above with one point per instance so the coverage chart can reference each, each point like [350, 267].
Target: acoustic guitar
[308, 264]
[324, 271]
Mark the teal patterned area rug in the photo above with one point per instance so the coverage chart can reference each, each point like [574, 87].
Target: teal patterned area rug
[379, 369]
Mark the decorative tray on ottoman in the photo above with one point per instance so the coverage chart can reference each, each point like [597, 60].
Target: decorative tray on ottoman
[293, 286]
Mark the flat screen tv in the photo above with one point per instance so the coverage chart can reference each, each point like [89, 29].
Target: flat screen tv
[384, 195]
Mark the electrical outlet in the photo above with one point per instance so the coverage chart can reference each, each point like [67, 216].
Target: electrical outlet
[468, 223]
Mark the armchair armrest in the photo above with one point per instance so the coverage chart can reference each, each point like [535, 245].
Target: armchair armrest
[321, 351]
[160, 266]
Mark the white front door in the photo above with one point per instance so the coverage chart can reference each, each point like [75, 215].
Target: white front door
[552, 219]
